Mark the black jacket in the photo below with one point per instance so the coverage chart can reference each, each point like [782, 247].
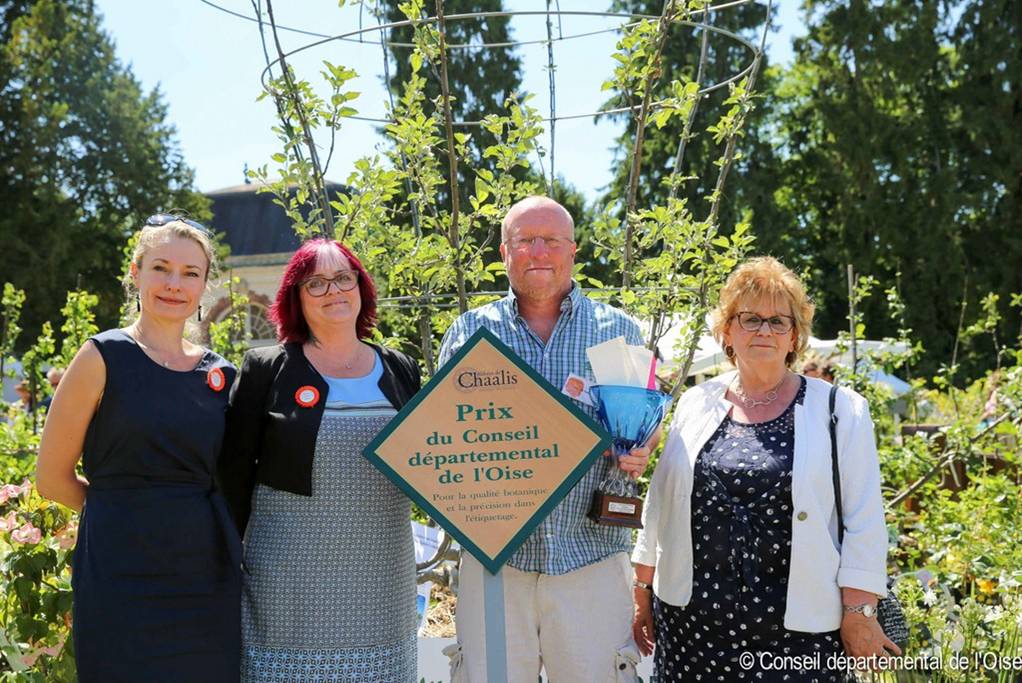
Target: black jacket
[270, 438]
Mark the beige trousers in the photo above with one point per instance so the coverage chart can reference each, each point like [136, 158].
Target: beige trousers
[577, 626]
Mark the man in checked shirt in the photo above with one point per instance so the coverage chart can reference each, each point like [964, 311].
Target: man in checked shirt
[567, 589]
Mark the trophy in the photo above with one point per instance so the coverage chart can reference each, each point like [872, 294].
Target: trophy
[630, 414]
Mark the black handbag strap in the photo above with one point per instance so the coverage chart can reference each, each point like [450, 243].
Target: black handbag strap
[835, 468]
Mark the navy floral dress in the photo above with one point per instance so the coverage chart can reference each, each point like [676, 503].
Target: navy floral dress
[741, 538]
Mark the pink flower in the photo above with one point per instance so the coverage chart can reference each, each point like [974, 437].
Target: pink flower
[67, 537]
[27, 534]
[9, 522]
[8, 491]
[36, 651]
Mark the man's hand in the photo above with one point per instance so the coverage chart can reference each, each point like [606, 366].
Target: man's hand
[634, 463]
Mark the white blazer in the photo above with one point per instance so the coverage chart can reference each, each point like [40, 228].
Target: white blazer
[818, 567]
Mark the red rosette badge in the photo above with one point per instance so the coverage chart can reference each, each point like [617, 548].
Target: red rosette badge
[215, 379]
[307, 396]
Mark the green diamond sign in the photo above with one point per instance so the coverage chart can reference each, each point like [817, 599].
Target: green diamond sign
[488, 447]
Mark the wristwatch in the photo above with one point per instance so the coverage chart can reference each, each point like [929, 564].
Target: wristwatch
[642, 584]
[867, 610]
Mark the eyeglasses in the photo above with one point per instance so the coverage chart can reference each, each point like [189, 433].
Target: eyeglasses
[752, 322]
[160, 219]
[551, 243]
[319, 286]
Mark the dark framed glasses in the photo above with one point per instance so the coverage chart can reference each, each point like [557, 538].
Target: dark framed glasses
[319, 286]
[752, 322]
[160, 219]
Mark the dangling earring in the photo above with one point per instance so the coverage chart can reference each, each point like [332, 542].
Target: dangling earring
[138, 303]
[198, 315]
[729, 351]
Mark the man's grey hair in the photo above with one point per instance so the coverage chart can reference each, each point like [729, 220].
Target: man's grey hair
[531, 202]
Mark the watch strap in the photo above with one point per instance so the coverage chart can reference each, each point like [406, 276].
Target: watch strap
[865, 609]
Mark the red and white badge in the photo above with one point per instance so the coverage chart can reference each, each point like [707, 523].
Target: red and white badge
[307, 396]
[215, 379]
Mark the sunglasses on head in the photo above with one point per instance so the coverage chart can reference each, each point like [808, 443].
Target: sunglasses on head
[159, 219]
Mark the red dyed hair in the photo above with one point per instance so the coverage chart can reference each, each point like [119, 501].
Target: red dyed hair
[286, 311]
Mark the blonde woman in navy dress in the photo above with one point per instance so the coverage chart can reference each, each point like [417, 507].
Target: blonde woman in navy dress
[156, 571]
[738, 562]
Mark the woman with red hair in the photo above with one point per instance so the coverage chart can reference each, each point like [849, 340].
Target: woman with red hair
[329, 560]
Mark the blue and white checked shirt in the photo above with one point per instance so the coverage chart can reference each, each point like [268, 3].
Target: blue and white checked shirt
[566, 540]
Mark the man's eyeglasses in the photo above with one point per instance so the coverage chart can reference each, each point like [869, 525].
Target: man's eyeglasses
[319, 286]
[752, 322]
[160, 219]
[551, 243]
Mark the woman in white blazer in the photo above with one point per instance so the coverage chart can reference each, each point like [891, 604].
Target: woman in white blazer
[738, 572]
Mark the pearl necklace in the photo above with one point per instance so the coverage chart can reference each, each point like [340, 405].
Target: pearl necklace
[751, 402]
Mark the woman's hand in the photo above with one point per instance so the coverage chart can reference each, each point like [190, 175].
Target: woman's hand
[862, 637]
[642, 620]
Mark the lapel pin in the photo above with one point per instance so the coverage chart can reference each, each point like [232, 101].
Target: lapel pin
[307, 396]
[215, 379]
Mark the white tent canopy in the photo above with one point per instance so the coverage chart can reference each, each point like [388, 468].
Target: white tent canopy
[709, 358]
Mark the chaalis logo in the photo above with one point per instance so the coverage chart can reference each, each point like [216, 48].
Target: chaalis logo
[471, 379]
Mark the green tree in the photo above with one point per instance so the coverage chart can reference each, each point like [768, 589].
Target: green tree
[482, 79]
[899, 132]
[725, 57]
[85, 155]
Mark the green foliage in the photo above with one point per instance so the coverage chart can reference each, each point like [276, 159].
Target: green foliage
[79, 325]
[228, 336]
[84, 153]
[33, 369]
[679, 77]
[483, 79]
[11, 303]
[896, 130]
[36, 538]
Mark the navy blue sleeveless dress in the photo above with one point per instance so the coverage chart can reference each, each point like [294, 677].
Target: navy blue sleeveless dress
[157, 569]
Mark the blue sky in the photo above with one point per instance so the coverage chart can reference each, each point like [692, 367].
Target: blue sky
[207, 64]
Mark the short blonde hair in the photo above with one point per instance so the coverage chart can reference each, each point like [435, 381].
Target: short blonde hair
[759, 278]
[152, 236]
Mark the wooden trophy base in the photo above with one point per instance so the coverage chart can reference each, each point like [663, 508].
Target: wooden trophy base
[616, 510]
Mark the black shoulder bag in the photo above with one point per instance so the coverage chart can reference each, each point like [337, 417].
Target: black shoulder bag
[889, 613]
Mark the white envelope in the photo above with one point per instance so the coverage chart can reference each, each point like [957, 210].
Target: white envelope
[611, 363]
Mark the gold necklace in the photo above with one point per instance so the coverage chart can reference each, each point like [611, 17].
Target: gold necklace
[751, 402]
[151, 351]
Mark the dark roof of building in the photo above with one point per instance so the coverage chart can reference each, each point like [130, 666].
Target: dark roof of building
[251, 223]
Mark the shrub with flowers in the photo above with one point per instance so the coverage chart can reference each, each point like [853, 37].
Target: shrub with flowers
[36, 541]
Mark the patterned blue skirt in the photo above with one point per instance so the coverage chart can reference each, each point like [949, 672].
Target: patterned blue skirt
[330, 589]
